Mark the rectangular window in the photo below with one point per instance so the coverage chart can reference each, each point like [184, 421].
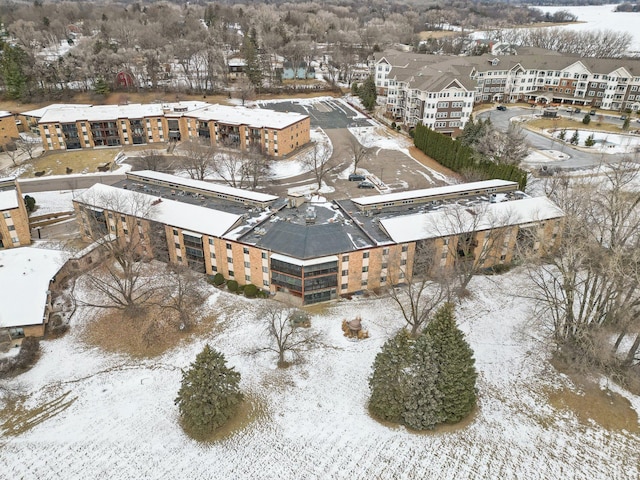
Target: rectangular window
[265, 269]
[231, 273]
[344, 286]
[265, 283]
[345, 258]
[264, 254]
[228, 246]
[247, 265]
[405, 248]
[245, 251]
[247, 278]
[365, 255]
[229, 259]
[385, 251]
[345, 273]
[365, 269]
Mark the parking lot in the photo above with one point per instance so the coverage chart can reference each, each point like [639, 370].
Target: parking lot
[326, 114]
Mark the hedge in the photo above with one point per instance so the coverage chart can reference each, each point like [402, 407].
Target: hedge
[451, 154]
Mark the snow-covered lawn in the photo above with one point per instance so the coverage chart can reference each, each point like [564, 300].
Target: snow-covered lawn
[55, 201]
[605, 142]
[314, 424]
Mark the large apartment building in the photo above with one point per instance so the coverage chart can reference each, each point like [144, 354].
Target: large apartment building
[71, 127]
[424, 88]
[318, 251]
[14, 220]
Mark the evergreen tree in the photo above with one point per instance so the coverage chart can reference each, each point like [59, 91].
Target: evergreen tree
[589, 141]
[422, 405]
[388, 383]
[563, 134]
[13, 64]
[457, 375]
[251, 55]
[626, 123]
[101, 87]
[209, 394]
[367, 93]
[575, 138]
[587, 119]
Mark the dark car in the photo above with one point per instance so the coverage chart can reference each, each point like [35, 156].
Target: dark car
[501, 108]
[623, 118]
[366, 185]
[577, 110]
[356, 177]
[592, 112]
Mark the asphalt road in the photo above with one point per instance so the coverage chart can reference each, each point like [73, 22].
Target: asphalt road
[578, 158]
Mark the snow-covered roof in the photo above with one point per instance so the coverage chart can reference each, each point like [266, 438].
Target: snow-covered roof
[304, 263]
[202, 185]
[97, 113]
[253, 117]
[38, 113]
[24, 275]
[428, 192]
[8, 200]
[4, 113]
[176, 214]
[457, 220]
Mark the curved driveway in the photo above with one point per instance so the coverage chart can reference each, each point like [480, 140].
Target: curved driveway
[579, 158]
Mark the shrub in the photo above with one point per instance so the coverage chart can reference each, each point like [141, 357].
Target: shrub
[218, 279]
[393, 125]
[30, 203]
[232, 285]
[250, 291]
[587, 119]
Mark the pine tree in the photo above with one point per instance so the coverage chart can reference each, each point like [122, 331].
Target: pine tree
[209, 394]
[626, 123]
[587, 119]
[575, 138]
[101, 87]
[388, 383]
[589, 141]
[457, 375]
[422, 405]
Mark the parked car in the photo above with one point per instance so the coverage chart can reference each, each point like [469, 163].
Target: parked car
[356, 177]
[577, 110]
[592, 112]
[366, 185]
[623, 118]
[501, 108]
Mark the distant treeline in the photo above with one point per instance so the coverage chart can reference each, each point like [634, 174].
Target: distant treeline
[628, 7]
[463, 159]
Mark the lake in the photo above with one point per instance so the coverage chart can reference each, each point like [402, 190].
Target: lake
[602, 17]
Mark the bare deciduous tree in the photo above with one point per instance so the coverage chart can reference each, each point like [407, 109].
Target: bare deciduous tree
[197, 159]
[425, 287]
[287, 336]
[592, 284]
[123, 280]
[184, 294]
[358, 151]
[318, 163]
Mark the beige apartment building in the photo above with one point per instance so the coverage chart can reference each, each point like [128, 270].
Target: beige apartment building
[71, 127]
[318, 252]
[8, 128]
[14, 220]
[440, 91]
